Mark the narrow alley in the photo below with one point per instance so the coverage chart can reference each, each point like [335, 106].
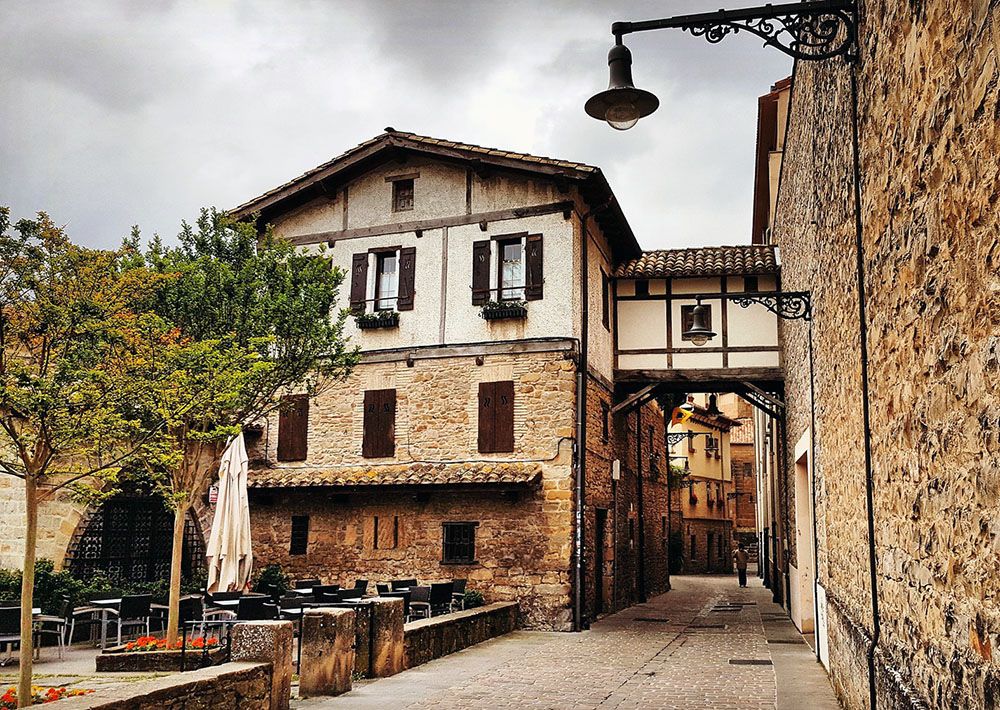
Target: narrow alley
[705, 644]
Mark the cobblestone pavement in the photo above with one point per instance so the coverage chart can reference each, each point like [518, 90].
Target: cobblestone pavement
[702, 645]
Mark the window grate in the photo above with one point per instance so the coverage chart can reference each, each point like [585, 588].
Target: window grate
[459, 543]
[299, 539]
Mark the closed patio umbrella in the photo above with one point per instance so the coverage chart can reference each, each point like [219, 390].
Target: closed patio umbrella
[230, 559]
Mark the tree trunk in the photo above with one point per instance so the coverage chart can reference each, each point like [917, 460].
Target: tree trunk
[173, 613]
[27, 590]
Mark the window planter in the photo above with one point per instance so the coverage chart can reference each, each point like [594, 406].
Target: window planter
[504, 310]
[378, 319]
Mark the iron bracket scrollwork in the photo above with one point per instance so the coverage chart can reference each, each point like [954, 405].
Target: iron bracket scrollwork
[810, 30]
[676, 437]
[787, 305]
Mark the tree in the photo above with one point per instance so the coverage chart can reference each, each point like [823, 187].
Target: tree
[69, 328]
[255, 319]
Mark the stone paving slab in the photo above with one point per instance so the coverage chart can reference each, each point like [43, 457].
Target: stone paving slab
[626, 661]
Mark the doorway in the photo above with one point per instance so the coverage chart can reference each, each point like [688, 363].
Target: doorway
[802, 603]
[600, 542]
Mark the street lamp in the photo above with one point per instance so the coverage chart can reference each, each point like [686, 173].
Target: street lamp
[787, 305]
[699, 333]
[809, 30]
[621, 105]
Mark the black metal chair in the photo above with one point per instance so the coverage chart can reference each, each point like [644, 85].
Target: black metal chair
[332, 597]
[398, 584]
[405, 596]
[306, 583]
[10, 630]
[85, 615]
[420, 602]
[320, 589]
[214, 597]
[382, 588]
[441, 598]
[361, 587]
[458, 593]
[255, 609]
[134, 611]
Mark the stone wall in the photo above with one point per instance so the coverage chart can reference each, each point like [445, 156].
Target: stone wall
[930, 153]
[427, 639]
[231, 686]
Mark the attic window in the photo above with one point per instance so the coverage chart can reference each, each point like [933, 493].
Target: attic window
[402, 195]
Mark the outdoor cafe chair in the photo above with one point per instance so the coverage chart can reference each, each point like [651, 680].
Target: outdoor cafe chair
[321, 589]
[255, 609]
[405, 596]
[86, 615]
[54, 625]
[10, 629]
[134, 611]
[398, 584]
[441, 597]
[214, 597]
[382, 588]
[420, 601]
[360, 587]
[458, 593]
[306, 583]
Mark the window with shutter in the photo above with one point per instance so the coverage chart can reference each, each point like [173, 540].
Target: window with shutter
[605, 300]
[379, 438]
[407, 272]
[293, 428]
[480, 272]
[496, 417]
[533, 261]
[359, 282]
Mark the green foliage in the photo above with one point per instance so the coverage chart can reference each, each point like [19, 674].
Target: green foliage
[473, 599]
[271, 577]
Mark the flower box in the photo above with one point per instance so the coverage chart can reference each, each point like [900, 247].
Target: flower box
[378, 319]
[504, 310]
[40, 695]
[152, 654]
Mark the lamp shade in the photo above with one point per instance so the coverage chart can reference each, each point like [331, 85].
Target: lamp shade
[621, 105]
[699, 333]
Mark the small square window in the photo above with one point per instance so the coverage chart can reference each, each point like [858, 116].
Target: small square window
[750, 284]
[642, 287]
[687, 319]
[402, 195]
[299, 539]
[458, 543]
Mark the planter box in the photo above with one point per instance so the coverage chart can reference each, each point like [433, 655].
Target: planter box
[370, 322]
[118, 660]
[514, 311]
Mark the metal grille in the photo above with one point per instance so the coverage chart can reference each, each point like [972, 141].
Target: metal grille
[130, 538]
[459, 542]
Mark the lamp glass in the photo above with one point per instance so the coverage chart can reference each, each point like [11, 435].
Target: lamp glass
[622, 116]
[699, 339]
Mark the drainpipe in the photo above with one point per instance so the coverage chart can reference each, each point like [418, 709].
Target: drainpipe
[579, 620]
[642, 520]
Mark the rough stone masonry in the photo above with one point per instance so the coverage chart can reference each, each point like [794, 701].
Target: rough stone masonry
[930, 154]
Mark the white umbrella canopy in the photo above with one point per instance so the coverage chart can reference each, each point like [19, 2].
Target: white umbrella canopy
[230, 559]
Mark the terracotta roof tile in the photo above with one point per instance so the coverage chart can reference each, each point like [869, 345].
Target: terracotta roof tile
[706, 261]
[416, 474]
[413, 138]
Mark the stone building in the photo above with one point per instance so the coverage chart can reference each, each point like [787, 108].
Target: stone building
[919, 596]
[480, 282]
[743, 497]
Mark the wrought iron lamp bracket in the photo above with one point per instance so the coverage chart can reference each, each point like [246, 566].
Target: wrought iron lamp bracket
[676, 437]
[787, 305]
[810, 30]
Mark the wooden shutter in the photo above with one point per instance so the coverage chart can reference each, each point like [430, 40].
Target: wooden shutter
[503, 427]
[533, 275]
[407, 264]
[293, 428]
[496, 417]
[379, 440]
[605, 300]
[480, 272]
[359, 282]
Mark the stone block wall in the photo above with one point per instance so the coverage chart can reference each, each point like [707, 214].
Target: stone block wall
[930, 154]
[427, 639]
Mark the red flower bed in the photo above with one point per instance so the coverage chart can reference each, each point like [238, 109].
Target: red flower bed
[153, 643]
[39, 694]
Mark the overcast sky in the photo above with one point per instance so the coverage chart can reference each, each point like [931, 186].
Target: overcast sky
[121, 113]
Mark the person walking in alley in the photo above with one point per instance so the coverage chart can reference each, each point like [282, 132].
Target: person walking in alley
[741, 558]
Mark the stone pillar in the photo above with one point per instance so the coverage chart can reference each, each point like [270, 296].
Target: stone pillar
[384, 616]
[327, 652]
[270, 642]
